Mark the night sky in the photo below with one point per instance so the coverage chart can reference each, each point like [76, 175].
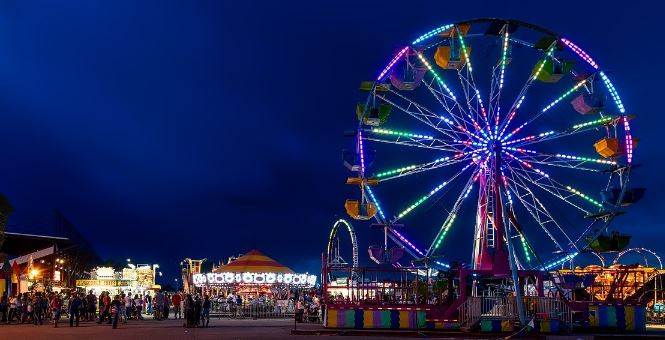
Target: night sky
[173, 129]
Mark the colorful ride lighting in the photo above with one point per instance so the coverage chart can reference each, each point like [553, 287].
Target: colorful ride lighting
[520, 150]
[586, 197]
[586, 159]
[431, 34]
[603, 120]
[528, 138]
[560, 261]
[360, 151]
[563, 96]
[424, 198]
[580, 52]
[376, 202]
[503, 58]
[525, 248]
[405, 241]
[391, 64]
[629, 140]
[466, 56]
[445, 231]
[436, 76]
[400, 133]
[613, 92]
[542, 63]
[395, 171]
[448, 121]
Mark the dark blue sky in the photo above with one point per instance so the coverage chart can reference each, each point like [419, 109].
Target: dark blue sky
[166, 129]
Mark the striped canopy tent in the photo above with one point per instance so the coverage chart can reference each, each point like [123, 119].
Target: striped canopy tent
[253, 262]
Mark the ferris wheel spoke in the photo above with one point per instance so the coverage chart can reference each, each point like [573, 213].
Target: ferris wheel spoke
[404, 171]
[497, 82]
[537, 209]
[561, 160]
[573, 130]
[550, 106]
[545, 183]
[434, 144]
[457, 119]
[421, 113]
[523, 92]
[448, 222]
[443, 94]
[430, 194]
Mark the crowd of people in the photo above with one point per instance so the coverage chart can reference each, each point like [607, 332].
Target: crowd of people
[39, 308]
[43, 308]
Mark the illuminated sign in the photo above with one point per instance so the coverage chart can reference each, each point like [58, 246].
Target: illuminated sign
[211, 279]
[108, 283]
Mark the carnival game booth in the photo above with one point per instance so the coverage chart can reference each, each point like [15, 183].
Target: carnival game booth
[253, 276]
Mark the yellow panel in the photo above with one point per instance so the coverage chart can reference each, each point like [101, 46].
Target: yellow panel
[352, 207]
[506, 325]
[404, 319]
[331, 318]
[463, 28]
[593, 316]
[368, 318]
[607, 147]
[442, 58]
[354, 181]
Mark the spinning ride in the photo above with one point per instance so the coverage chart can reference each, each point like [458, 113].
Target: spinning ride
[521, 135]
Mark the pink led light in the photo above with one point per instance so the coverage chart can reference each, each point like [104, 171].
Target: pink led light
[580, 52]
[392, 63]
[629, 140]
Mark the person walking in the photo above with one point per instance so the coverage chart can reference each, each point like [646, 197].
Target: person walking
[176, 299]
[12, 309]
[91, 304]
[74, 310]
[104, 308]
[56, 308]
[138, 302]
[128, 306]
[115, 310]
[205, 315]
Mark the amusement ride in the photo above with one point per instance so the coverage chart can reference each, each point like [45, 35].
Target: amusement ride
[504, 130]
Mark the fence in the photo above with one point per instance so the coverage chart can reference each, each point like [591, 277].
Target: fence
[541, 308]
[256, 311]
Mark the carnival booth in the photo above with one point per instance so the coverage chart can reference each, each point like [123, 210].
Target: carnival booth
[253, 275]
[134, 280]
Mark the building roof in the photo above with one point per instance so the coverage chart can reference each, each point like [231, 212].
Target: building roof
[17, 244]
[255, 262]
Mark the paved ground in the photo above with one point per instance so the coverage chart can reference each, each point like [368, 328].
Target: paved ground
[219, 329]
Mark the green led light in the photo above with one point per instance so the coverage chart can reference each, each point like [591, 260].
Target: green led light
[445, 231]
[542, 63]
[594, 122]
[586, 197]
[466, 54]
[395, 171]
[525, 248]
[400, 133]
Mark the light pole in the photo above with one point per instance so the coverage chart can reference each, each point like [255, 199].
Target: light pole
[154, 273]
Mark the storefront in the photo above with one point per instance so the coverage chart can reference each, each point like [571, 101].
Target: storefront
[136, 280]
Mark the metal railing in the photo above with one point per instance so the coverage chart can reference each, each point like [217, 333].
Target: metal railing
[476, 308]
[259, 311]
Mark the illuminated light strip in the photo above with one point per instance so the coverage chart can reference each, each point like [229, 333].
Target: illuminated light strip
[376, 202]
[586, 159]
[432, 192]
[392, 63]
[466, 54]
[520, 150]
[580, 52]
[461, 128]
[542, 63]
[586, 197]
[629, 140]
[593, 122]
[445, 231]
[405, 241]
[560, 261]
[525, 248]
[540, 135]
[406, 168]
[360, 148]
[527, 164]
[613, 92]
[400, 133]
[436, 76]
[561, 97]
[503, 58]
[512, 115]
[549, 106]
[431, 34]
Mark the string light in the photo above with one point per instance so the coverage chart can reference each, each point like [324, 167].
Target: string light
[392, 63]
[376, 202]
[436, 76]
[431, 34]
[586, 197]
[580, 52]
[586, 159]
[613, 92]
[503, 58]
[400, 133]
[603, 120]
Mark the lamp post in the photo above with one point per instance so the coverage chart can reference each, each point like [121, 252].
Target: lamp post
[154, 273]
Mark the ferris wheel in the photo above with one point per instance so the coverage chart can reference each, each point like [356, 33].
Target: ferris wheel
[501, 121]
